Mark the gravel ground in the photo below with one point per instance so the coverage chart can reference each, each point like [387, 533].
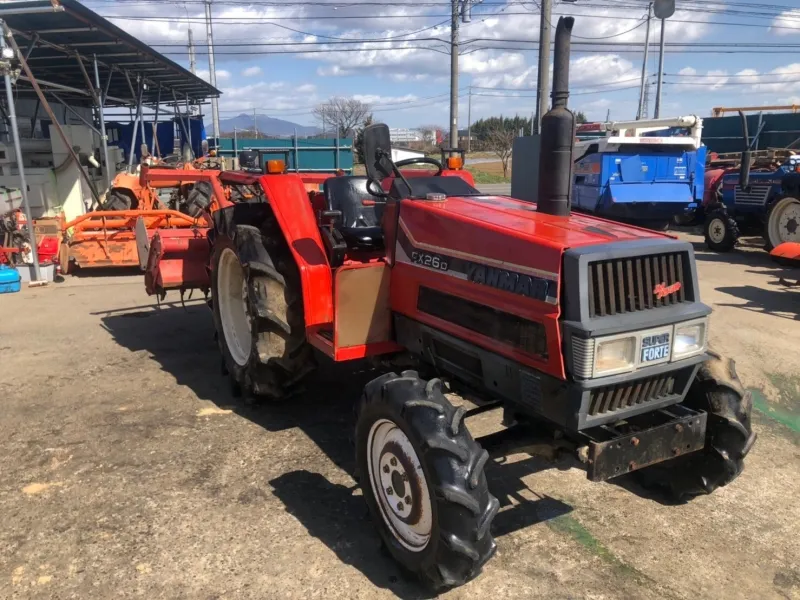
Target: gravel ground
[128, 470]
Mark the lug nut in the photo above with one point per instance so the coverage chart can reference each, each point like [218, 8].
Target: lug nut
[408, 499]
[399, 506]
[385, 468]
[393, 461]
[675, 451]
[631, 466]
[678, 427]
[634, 441]
[389, 491]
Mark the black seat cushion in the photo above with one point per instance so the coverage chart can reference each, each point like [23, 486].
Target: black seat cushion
[360, 225]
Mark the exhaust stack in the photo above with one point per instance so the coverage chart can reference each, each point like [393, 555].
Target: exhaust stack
[558, 133]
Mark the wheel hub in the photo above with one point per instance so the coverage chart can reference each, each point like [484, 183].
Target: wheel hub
[716, 231]
[784, 224]
[399, 485]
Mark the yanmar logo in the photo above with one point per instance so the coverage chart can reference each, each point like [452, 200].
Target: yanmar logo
[662, 291]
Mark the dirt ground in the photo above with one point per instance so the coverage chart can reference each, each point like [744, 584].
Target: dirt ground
[128, 470]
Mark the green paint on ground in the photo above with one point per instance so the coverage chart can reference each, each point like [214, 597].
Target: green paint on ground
[779, 414]
[570, 526]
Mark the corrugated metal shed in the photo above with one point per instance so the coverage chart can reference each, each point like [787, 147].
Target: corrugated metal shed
[724, 134]
[63, 43]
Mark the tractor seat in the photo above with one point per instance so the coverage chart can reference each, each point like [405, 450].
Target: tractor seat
[359, 225]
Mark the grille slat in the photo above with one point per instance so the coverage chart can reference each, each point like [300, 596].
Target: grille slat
[672, 277]
[612, 301]
[631, 292]
[626, 285]
[601, 296]
[627, 395]
[640, 279]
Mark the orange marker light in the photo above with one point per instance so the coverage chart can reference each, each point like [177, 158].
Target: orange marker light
[275, 167]
[455, 163]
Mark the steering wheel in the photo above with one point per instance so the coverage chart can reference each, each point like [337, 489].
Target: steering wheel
[420, 160]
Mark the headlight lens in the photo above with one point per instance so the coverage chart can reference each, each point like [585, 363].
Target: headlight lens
[689, 339]
[615, 356]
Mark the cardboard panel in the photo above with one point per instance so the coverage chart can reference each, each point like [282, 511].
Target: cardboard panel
[362, 305]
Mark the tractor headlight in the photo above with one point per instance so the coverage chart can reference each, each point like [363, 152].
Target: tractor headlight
[689, 339]
[615, 355]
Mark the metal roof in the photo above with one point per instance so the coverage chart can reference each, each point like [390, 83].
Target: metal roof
[65, 42]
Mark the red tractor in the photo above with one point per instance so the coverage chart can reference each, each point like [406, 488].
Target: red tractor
[582, 330]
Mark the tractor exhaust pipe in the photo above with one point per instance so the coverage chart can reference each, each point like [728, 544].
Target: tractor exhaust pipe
[558, 133]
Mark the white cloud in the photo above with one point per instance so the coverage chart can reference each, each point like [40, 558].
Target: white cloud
[222, 75]
[253, 71]
[787, 23]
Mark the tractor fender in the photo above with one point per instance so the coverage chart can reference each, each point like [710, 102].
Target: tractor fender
[126, 181]
[292, 208]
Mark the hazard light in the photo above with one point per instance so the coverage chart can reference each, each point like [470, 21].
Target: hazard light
[275, 167]
[455, 163]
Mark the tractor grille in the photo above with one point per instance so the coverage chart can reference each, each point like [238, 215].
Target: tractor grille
[631, 393]
[625, 285]
[754, 195]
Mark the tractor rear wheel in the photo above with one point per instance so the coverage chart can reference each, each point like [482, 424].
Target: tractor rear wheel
[422, 477]
[783, 222]
[729, 436]
[258, 316]
[721, 231]
[120, 199]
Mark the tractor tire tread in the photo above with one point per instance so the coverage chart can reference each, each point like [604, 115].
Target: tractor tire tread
[461, 540]
[729, 436]
[281, 356]
[731, 231]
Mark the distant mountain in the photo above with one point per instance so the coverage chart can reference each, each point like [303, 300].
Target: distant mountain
[266, 125]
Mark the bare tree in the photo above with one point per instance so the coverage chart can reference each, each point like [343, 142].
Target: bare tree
[500, 140]
[429, 133]
[342, 114]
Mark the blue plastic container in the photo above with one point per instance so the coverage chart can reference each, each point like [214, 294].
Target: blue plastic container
[9, 280]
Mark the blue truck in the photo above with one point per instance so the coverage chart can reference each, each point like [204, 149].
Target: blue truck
[644, 172]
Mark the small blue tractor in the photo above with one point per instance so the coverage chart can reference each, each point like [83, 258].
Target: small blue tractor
[764, 194]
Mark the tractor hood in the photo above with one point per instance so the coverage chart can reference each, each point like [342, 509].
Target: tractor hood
[555, 232]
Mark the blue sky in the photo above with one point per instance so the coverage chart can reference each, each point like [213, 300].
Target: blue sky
[282, 58]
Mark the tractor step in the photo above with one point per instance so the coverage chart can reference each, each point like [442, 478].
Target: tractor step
[644, 440]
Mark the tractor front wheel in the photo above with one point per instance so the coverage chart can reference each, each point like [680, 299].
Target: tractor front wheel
[259, 316]
[721, 231]
[422, 477]
[716, 390]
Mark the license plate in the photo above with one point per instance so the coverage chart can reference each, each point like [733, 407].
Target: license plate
[655, 347]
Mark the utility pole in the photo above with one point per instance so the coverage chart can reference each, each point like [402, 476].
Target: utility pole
[657, 113]
[663, 9]
[543, 75]
[454, 24]
[212, 73]
[646, 101]
[469, 121]
[192, 60]
[255, 123]
[644, 62]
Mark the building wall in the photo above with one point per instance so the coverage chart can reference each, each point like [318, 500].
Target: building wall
[401, 135]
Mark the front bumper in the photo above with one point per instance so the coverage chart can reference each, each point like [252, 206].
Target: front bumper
[653, 438]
